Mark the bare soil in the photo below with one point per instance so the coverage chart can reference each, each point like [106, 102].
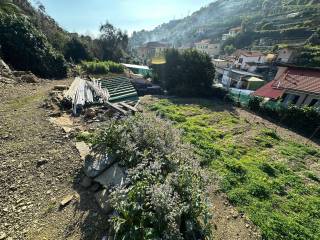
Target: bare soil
[39, 167]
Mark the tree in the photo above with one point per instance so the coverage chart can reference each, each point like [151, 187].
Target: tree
[76, 50]
[8, 7]
[229, 49]
[190, 73]
[25, 48]
[113, 43]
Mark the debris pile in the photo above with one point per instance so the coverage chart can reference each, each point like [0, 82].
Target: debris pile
[6, 75]
[94, 99]
[102, 174]
[25, 76]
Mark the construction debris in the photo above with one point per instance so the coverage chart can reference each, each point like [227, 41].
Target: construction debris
[66, 200]
[117, 93]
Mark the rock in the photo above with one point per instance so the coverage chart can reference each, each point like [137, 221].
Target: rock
[90, 113]
[247, 225]
[95, 187]
[3, 235]
[113, 176]
[102, 199]
[6, 80]
[83, 149]
[60, 87]
[66, 200]
[41, 162]
[86, 182]
[93, 166]
[29, 78]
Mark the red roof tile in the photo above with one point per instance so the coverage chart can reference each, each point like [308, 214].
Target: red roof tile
[269, 92]
[304, 80]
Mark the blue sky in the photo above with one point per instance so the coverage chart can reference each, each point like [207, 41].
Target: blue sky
[85, 16]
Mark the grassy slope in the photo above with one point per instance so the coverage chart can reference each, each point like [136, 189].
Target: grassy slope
[272, 179]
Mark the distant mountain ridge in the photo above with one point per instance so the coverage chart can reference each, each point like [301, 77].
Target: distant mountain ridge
[221, 15]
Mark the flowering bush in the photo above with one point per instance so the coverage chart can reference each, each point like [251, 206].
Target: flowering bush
[162, 197]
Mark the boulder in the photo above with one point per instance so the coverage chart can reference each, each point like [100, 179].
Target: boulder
[113, 176]
[86, 182]
[95, 165]
[29, 78]
[102, 199]
[83, 149]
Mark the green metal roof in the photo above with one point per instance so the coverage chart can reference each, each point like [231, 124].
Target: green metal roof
[120, 89]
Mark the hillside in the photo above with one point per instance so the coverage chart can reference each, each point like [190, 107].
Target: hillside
[267, 17]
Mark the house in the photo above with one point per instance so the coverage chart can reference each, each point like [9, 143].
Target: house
[152, 49]
[232, 32]
[206, 46]
[287, 55]
[246, 59]
[220, 65]
[233, 78]
[293, 85]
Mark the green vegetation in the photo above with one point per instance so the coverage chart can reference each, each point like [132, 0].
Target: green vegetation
[162, 197]
[281, 21]
[31, 40]
[102, 67]
[189, 73]
[304, 119]
[274, 180]
[24, 47]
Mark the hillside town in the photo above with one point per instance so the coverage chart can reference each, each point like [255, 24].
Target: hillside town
[272, 75]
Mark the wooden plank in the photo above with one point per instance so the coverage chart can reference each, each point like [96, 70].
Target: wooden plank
[128, 106]
[116, 108]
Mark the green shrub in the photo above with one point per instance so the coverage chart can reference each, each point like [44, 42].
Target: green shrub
[163, 194]
[259, 190]
[254, 103]
[25, 48]
[102, 67]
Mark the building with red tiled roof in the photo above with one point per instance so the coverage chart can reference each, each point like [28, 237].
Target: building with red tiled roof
[299, 86]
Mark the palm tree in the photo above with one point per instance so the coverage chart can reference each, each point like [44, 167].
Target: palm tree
[8, 7]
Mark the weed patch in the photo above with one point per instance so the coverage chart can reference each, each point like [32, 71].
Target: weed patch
[262, 173]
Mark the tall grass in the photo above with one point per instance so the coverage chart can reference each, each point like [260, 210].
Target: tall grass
[104, 67]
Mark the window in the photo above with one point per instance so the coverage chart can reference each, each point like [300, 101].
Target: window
[313, 102]
[295, 99]
[284, 96]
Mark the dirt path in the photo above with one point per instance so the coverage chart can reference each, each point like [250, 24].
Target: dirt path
[39, 167]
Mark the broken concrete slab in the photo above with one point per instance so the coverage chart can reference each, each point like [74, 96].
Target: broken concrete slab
[102, 199]
[83, 149]
[86, 182]
[113, 176]
[95, 165]
[66, 200]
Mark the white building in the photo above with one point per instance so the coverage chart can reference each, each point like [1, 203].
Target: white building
[205, 46]
[245, 59]
[232, 33]
[286, 55]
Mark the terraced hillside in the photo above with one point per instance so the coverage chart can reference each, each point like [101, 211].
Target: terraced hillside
[269, 173]
[298, 17]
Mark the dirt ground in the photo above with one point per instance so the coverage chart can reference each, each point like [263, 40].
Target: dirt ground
[39, 167]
